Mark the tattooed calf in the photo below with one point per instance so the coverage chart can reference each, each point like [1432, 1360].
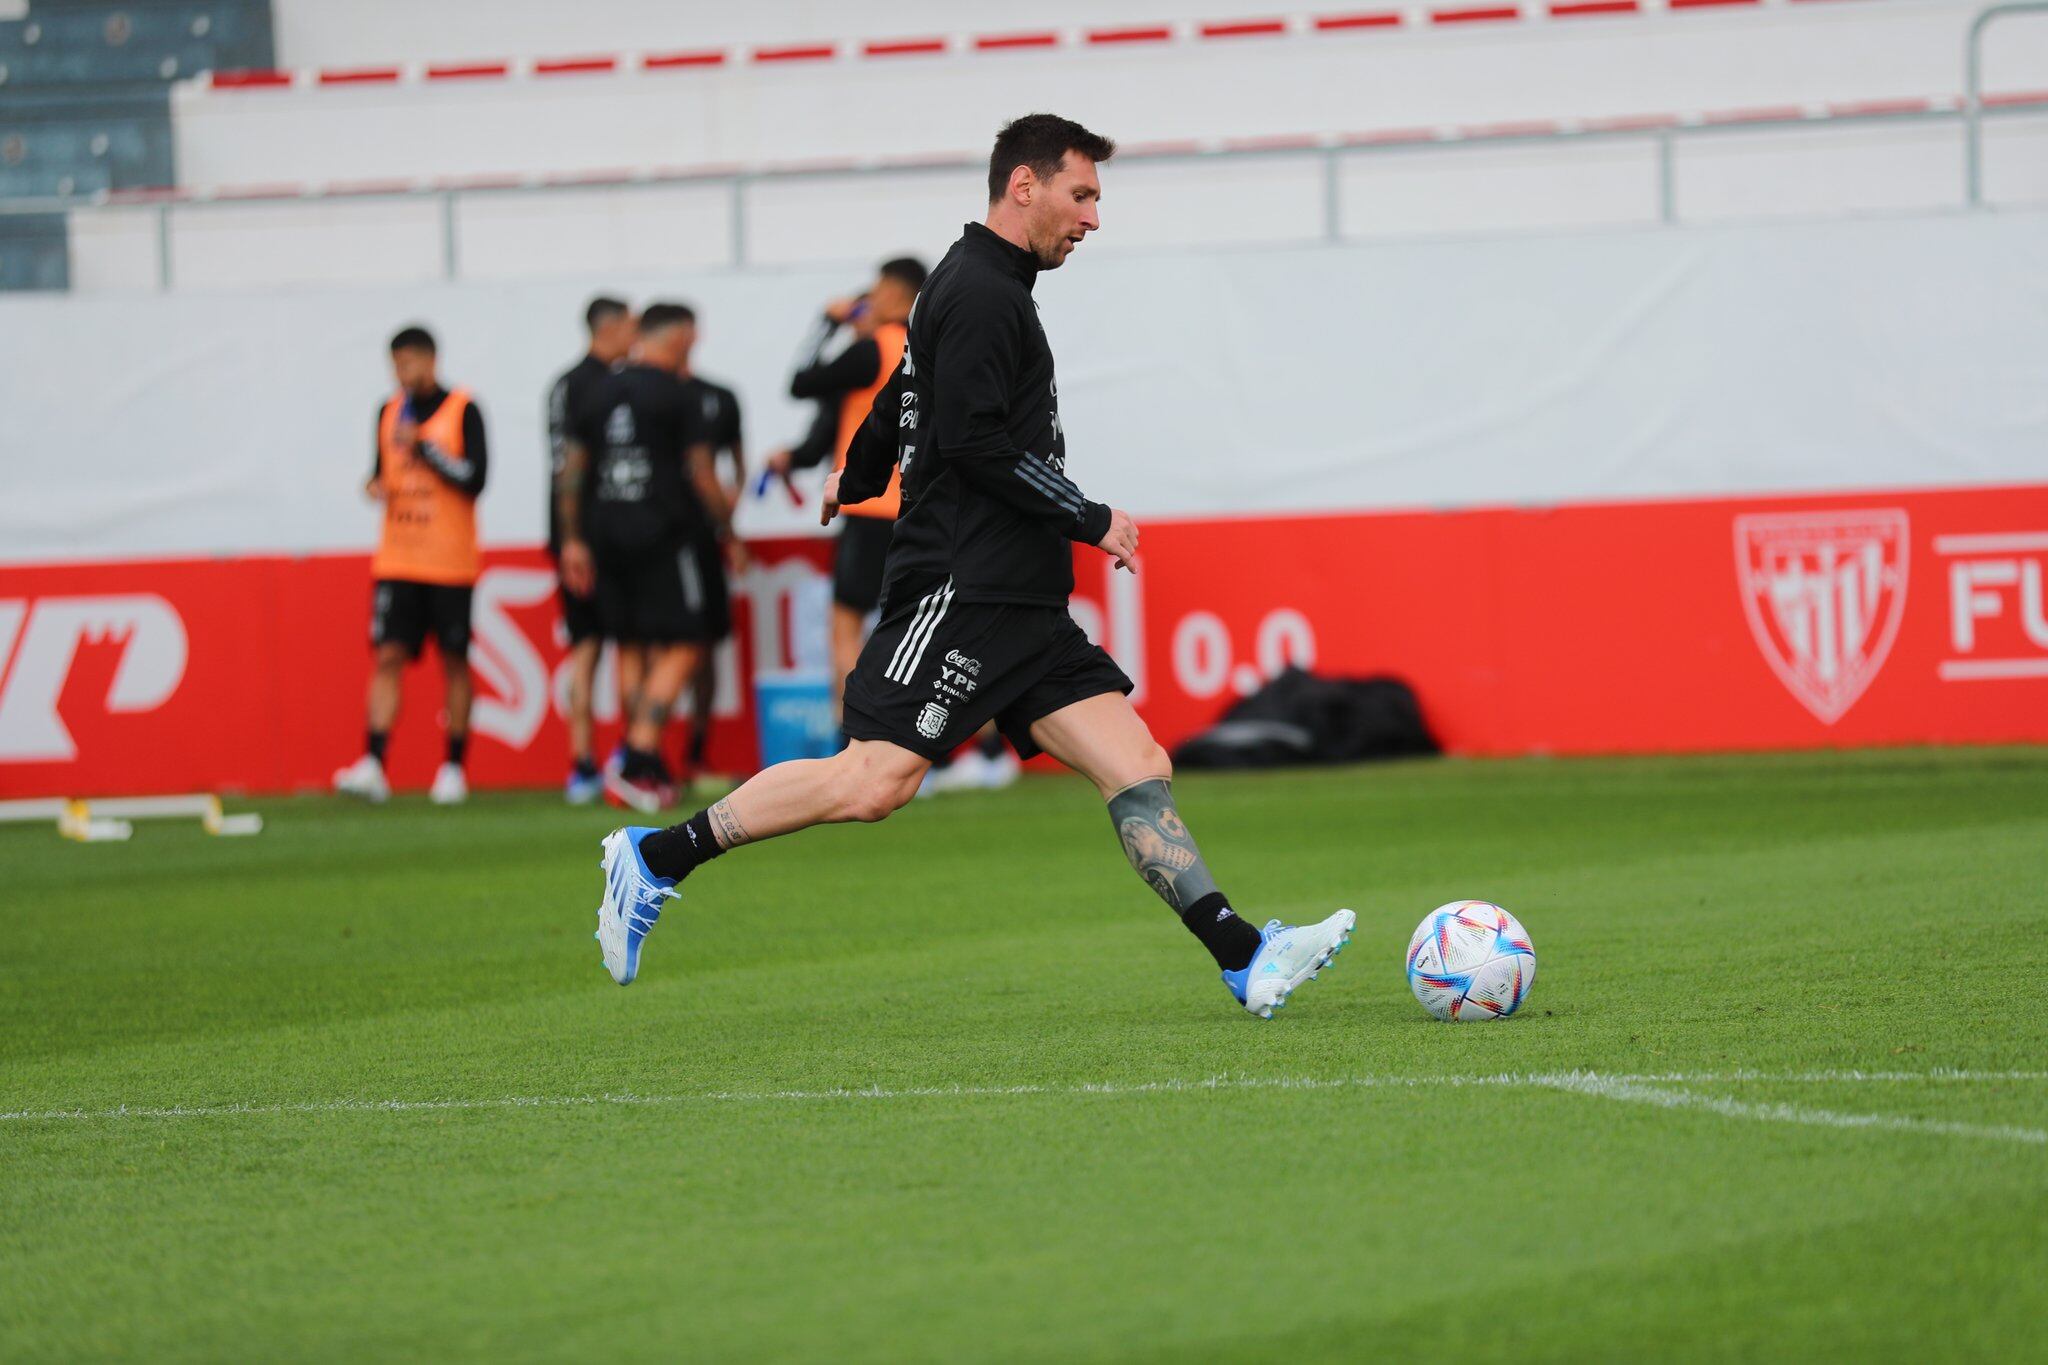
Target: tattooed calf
[1158, 844]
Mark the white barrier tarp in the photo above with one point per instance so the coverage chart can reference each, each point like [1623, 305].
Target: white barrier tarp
[1634, 364]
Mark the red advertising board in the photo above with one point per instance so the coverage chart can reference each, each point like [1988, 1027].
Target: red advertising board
[1865, 618]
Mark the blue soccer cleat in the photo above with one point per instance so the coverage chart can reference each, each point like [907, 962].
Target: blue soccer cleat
[632, 902]
[1288, 956]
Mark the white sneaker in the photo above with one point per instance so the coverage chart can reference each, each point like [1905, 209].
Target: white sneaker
[1290, 955]
[1001, 771]
[962, 774]
[450, 787]
[364, 778]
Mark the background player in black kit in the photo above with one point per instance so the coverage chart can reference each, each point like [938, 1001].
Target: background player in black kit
[611, 338]
[719, 408]
[637, 494]
[974, 614]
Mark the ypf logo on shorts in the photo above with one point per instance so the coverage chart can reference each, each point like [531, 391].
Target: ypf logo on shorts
[931, 722]
[957, 676]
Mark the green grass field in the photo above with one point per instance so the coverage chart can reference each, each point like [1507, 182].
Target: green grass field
[957, 1086]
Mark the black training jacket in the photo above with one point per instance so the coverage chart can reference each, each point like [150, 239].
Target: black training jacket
[972, 415]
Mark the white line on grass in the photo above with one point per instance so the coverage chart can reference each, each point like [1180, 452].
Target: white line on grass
[1633, 1091]
[1583, 1082]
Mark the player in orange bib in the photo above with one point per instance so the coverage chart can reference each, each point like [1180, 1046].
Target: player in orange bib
[429, 469]
[879, 321]
[850, 380]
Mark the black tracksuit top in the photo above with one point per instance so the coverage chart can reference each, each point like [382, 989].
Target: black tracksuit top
[972, 415]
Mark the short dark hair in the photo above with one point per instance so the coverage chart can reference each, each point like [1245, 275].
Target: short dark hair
[1041, 141]
[905, 270]
[601, 311]
[413, 339]
[657, 317]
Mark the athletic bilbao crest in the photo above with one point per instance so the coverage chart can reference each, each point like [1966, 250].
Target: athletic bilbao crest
[1823, 592]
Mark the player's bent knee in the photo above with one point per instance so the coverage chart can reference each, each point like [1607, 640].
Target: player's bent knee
[875, 783]
[877, 799]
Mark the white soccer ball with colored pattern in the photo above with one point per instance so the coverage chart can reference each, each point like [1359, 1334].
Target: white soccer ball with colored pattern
[1471, 960]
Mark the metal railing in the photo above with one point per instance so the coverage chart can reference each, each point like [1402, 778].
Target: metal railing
[1973, 92]
[1664, 131]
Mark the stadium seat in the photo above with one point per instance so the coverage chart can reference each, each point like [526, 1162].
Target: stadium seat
[33, 254]
[73, 45]
[84, 107]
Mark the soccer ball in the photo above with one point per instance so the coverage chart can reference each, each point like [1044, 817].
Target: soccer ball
[1470, 960]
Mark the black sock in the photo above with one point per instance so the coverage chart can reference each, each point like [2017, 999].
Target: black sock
[990, 744]
[1230, 940]
[458, 746]
[679, 850]
[643, 765]
[584, 767]
[378, 741]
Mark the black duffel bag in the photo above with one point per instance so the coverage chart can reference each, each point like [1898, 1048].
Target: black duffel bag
[1298, 718]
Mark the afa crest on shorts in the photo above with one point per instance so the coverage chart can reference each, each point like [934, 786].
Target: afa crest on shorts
[932, 720]
[1824, 592]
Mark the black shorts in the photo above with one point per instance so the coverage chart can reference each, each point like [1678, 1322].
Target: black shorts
[403, 612]
[935, 671]
[857, 563]
[662, 596]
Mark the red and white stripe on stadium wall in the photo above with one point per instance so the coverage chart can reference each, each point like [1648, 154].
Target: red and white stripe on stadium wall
[1868, 618]
[994, 44]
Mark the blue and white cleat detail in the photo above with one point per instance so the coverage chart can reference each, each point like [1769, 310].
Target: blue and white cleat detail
[632, 902]
[1290, 955]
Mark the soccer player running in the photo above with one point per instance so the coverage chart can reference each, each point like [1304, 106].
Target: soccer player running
[611, 337]
[974, 617]
[637, 491]
[428, 471]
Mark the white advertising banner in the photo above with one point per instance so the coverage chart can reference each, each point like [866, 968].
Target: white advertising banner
[1634, 364]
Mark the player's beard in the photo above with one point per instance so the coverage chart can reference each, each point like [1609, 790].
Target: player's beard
[1047, 249]
[1050, 257]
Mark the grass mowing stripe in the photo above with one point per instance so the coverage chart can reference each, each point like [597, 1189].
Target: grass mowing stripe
[1584, 1082]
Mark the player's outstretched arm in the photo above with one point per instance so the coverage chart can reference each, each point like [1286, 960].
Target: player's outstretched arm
[816, 446]
[856, 367]
[871, 456]
[1033, 488]
[979, 357]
